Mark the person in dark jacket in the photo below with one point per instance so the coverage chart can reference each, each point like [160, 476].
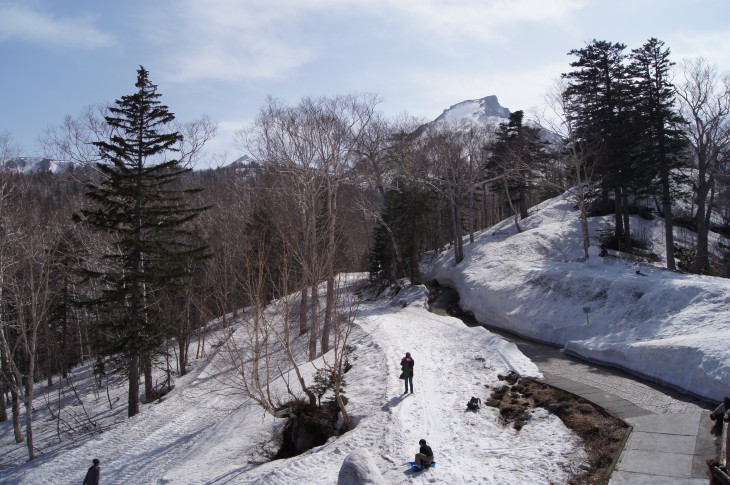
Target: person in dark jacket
[720, 410]
[718, 416]
[94, 473]
[406, 365]
[424, 457]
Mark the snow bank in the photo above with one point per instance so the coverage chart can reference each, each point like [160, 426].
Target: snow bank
[667, 326]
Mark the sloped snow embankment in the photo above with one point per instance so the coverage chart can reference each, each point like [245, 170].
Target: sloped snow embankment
[207, 432]
[667, 326]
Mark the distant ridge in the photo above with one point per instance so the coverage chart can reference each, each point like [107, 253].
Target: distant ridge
[30, 165]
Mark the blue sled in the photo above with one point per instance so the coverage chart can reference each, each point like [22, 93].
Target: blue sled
[415, 468]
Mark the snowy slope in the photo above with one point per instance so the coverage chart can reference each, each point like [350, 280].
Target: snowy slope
[668, 326]
[206, 432]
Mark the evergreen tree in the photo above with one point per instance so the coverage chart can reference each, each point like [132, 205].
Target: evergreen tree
[662, 144]
[140, 204]
[400, 234]
[67, 257]
[600, 103]
[516, 155]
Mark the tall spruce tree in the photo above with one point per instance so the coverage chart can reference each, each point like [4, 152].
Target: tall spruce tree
[141, 205]
[600, 102]
[662, 145]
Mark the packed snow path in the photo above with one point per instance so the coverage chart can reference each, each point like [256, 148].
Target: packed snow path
[452, 363]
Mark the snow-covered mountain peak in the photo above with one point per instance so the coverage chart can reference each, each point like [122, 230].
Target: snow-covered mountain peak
[474, 111]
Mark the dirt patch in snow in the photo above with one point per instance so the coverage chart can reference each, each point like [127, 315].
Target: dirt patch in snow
[603, 435]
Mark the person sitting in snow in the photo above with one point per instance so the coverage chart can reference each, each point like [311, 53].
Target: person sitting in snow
[406, 365]
[424, 457]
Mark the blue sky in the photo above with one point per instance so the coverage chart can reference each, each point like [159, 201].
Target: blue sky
[222, 58]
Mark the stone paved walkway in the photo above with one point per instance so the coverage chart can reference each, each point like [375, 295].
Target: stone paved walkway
[670, 440]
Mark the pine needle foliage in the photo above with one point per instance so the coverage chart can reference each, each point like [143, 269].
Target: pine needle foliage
[141, 204]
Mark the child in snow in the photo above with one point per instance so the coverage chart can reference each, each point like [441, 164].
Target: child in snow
[406, 365]
[424, 457]
[93, 474]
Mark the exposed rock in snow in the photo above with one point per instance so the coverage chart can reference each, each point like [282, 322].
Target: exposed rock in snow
[359, 468]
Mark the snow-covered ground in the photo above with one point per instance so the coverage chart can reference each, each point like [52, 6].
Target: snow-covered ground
[671, 326]
[206, 432]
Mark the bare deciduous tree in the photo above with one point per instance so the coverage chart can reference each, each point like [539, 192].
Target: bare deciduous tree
[705, 104]
[577, 152]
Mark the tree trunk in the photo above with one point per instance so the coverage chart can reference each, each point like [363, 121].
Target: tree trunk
[330, 266]
[328, 311]
[582, 209]
[343, 410]
[314, 323]
[149, 388]
[303, 311]
[4, 385]
[511, 206]
[182, 348]
[413, 266]
[49, 353]
[458, 241]
[3, 403]
[702, 259]
[29, 409]
[619, 233]
[524, 204]
[627, 220]
[15, 403]
[472, 217]
[668, 221]
[133, 397]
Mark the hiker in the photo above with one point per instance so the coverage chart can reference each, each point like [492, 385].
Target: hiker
[424, 457]
[406, 365]
[720, 410]
[92, 476]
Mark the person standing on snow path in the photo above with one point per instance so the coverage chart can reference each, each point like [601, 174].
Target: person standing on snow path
[406, 365]
[94, 473]
[424, 457]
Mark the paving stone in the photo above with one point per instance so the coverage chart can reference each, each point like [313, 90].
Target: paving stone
[630, 478]
[656, 463]
[678, 424]
[640, 440]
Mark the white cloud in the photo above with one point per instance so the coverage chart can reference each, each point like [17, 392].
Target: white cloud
[232, 41]
[21, 23]
[228, 40]
[713, 46]
[484, 20]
